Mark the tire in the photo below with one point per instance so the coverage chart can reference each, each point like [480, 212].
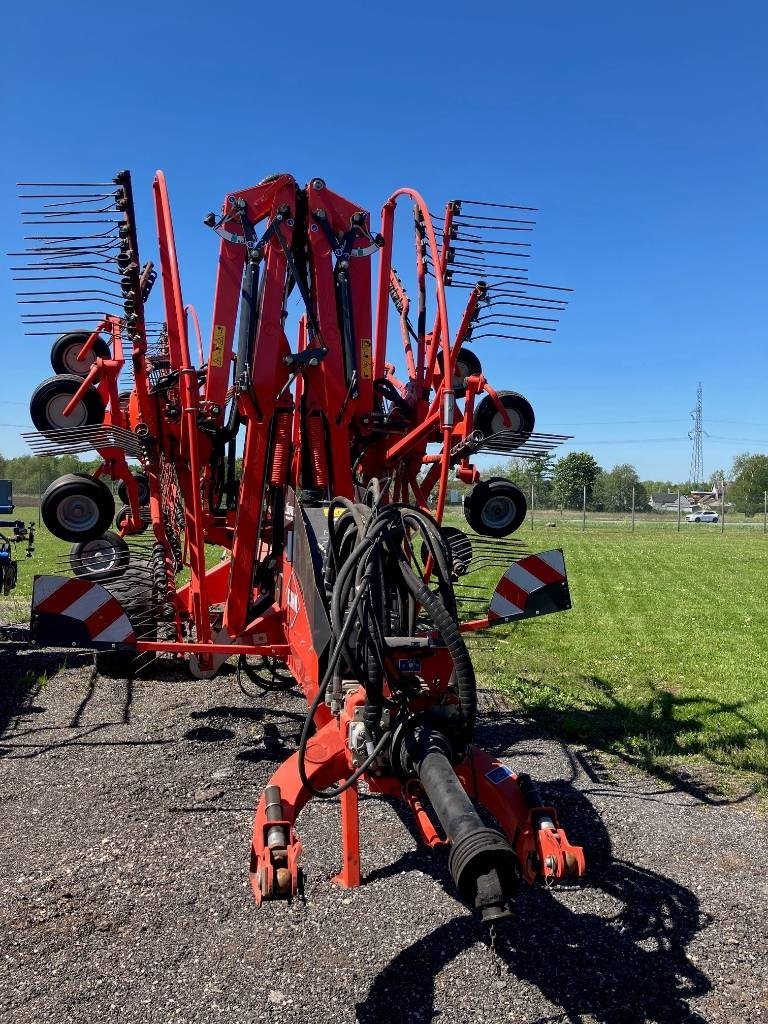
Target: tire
[101, 559]
[124, 514]
[467, 365]
[64, 353]
[495, 507]
[488, 420]
[142, 483]
[10, 575]
[77, 507]
[134, 592]
[53, 395]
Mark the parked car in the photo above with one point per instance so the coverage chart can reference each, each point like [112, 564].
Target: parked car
[702, 517]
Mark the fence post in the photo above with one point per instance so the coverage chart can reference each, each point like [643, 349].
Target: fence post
[633, 510]
[678, 511]
[531, 504]
[765, 511]
[722, 509]
[584, 510]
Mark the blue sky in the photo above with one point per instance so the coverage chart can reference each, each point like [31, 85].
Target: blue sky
[637, 129]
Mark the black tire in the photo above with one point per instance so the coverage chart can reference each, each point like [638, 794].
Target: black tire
[52, 396]
[65, 349]
[134, 592]
[77, 507]
[495, 507]
[123, 515]
[488, 420]
[143, 485]
[101, 559]
[467, 365]
[9, 577]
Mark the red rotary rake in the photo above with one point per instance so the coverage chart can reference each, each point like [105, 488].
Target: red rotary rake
[337, 573]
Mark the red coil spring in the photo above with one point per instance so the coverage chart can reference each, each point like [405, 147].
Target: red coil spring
[317, 453]
[281, 450]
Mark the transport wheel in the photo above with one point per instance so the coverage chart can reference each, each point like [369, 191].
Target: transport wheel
[489, 420]
[103, 558]
[495, 507]
[9, 572]
[77, 507]
[467, 365]
[121, 521]
[143, 485]
[49, 399]
[66, 348]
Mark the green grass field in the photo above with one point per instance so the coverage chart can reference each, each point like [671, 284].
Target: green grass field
[663, 658]
[664, 654]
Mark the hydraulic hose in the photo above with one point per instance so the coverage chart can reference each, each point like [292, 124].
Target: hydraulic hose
[447, 627]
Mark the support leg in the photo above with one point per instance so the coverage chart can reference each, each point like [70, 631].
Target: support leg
[349, 876]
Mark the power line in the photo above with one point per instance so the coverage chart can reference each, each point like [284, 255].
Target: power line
[696, 474]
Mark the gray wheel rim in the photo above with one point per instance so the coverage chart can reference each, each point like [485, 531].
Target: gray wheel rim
[54, 412]
[75, 365]
[78, 513]
[498, 512]
[515, 421]
[99, 556]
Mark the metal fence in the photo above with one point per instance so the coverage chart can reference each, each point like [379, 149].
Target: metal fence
[541, 515]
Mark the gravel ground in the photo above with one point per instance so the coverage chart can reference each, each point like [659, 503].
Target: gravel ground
[126, 812]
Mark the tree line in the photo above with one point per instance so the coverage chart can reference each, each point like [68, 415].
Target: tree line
[561, 483]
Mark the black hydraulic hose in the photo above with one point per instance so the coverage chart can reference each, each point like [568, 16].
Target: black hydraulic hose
[446, 625]
[435, 544]
[374, 687]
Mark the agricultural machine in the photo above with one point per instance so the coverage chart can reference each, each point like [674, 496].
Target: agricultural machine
[283, 496]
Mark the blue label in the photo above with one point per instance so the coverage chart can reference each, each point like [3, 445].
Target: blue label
[499, 773]
[408, 664]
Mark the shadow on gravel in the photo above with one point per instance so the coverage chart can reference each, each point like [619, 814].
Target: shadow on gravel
[24, 672]
[627, 968]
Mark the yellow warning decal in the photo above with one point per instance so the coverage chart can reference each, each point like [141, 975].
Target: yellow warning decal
[217, 345]
[366, 369]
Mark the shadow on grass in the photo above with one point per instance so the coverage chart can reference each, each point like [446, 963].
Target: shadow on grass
[652, 733]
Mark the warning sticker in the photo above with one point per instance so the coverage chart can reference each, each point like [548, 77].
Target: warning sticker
[499, 773]
[217, 345]
[366, 368]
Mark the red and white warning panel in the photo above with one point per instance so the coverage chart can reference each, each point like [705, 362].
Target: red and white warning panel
[70, 612]
[534, 585]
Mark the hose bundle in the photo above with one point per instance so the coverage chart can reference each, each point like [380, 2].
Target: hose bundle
[376, 588]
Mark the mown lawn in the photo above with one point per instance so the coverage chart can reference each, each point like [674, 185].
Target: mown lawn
[665, 652]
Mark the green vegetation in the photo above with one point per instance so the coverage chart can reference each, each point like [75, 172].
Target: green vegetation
[750, 482]
[664, 655]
